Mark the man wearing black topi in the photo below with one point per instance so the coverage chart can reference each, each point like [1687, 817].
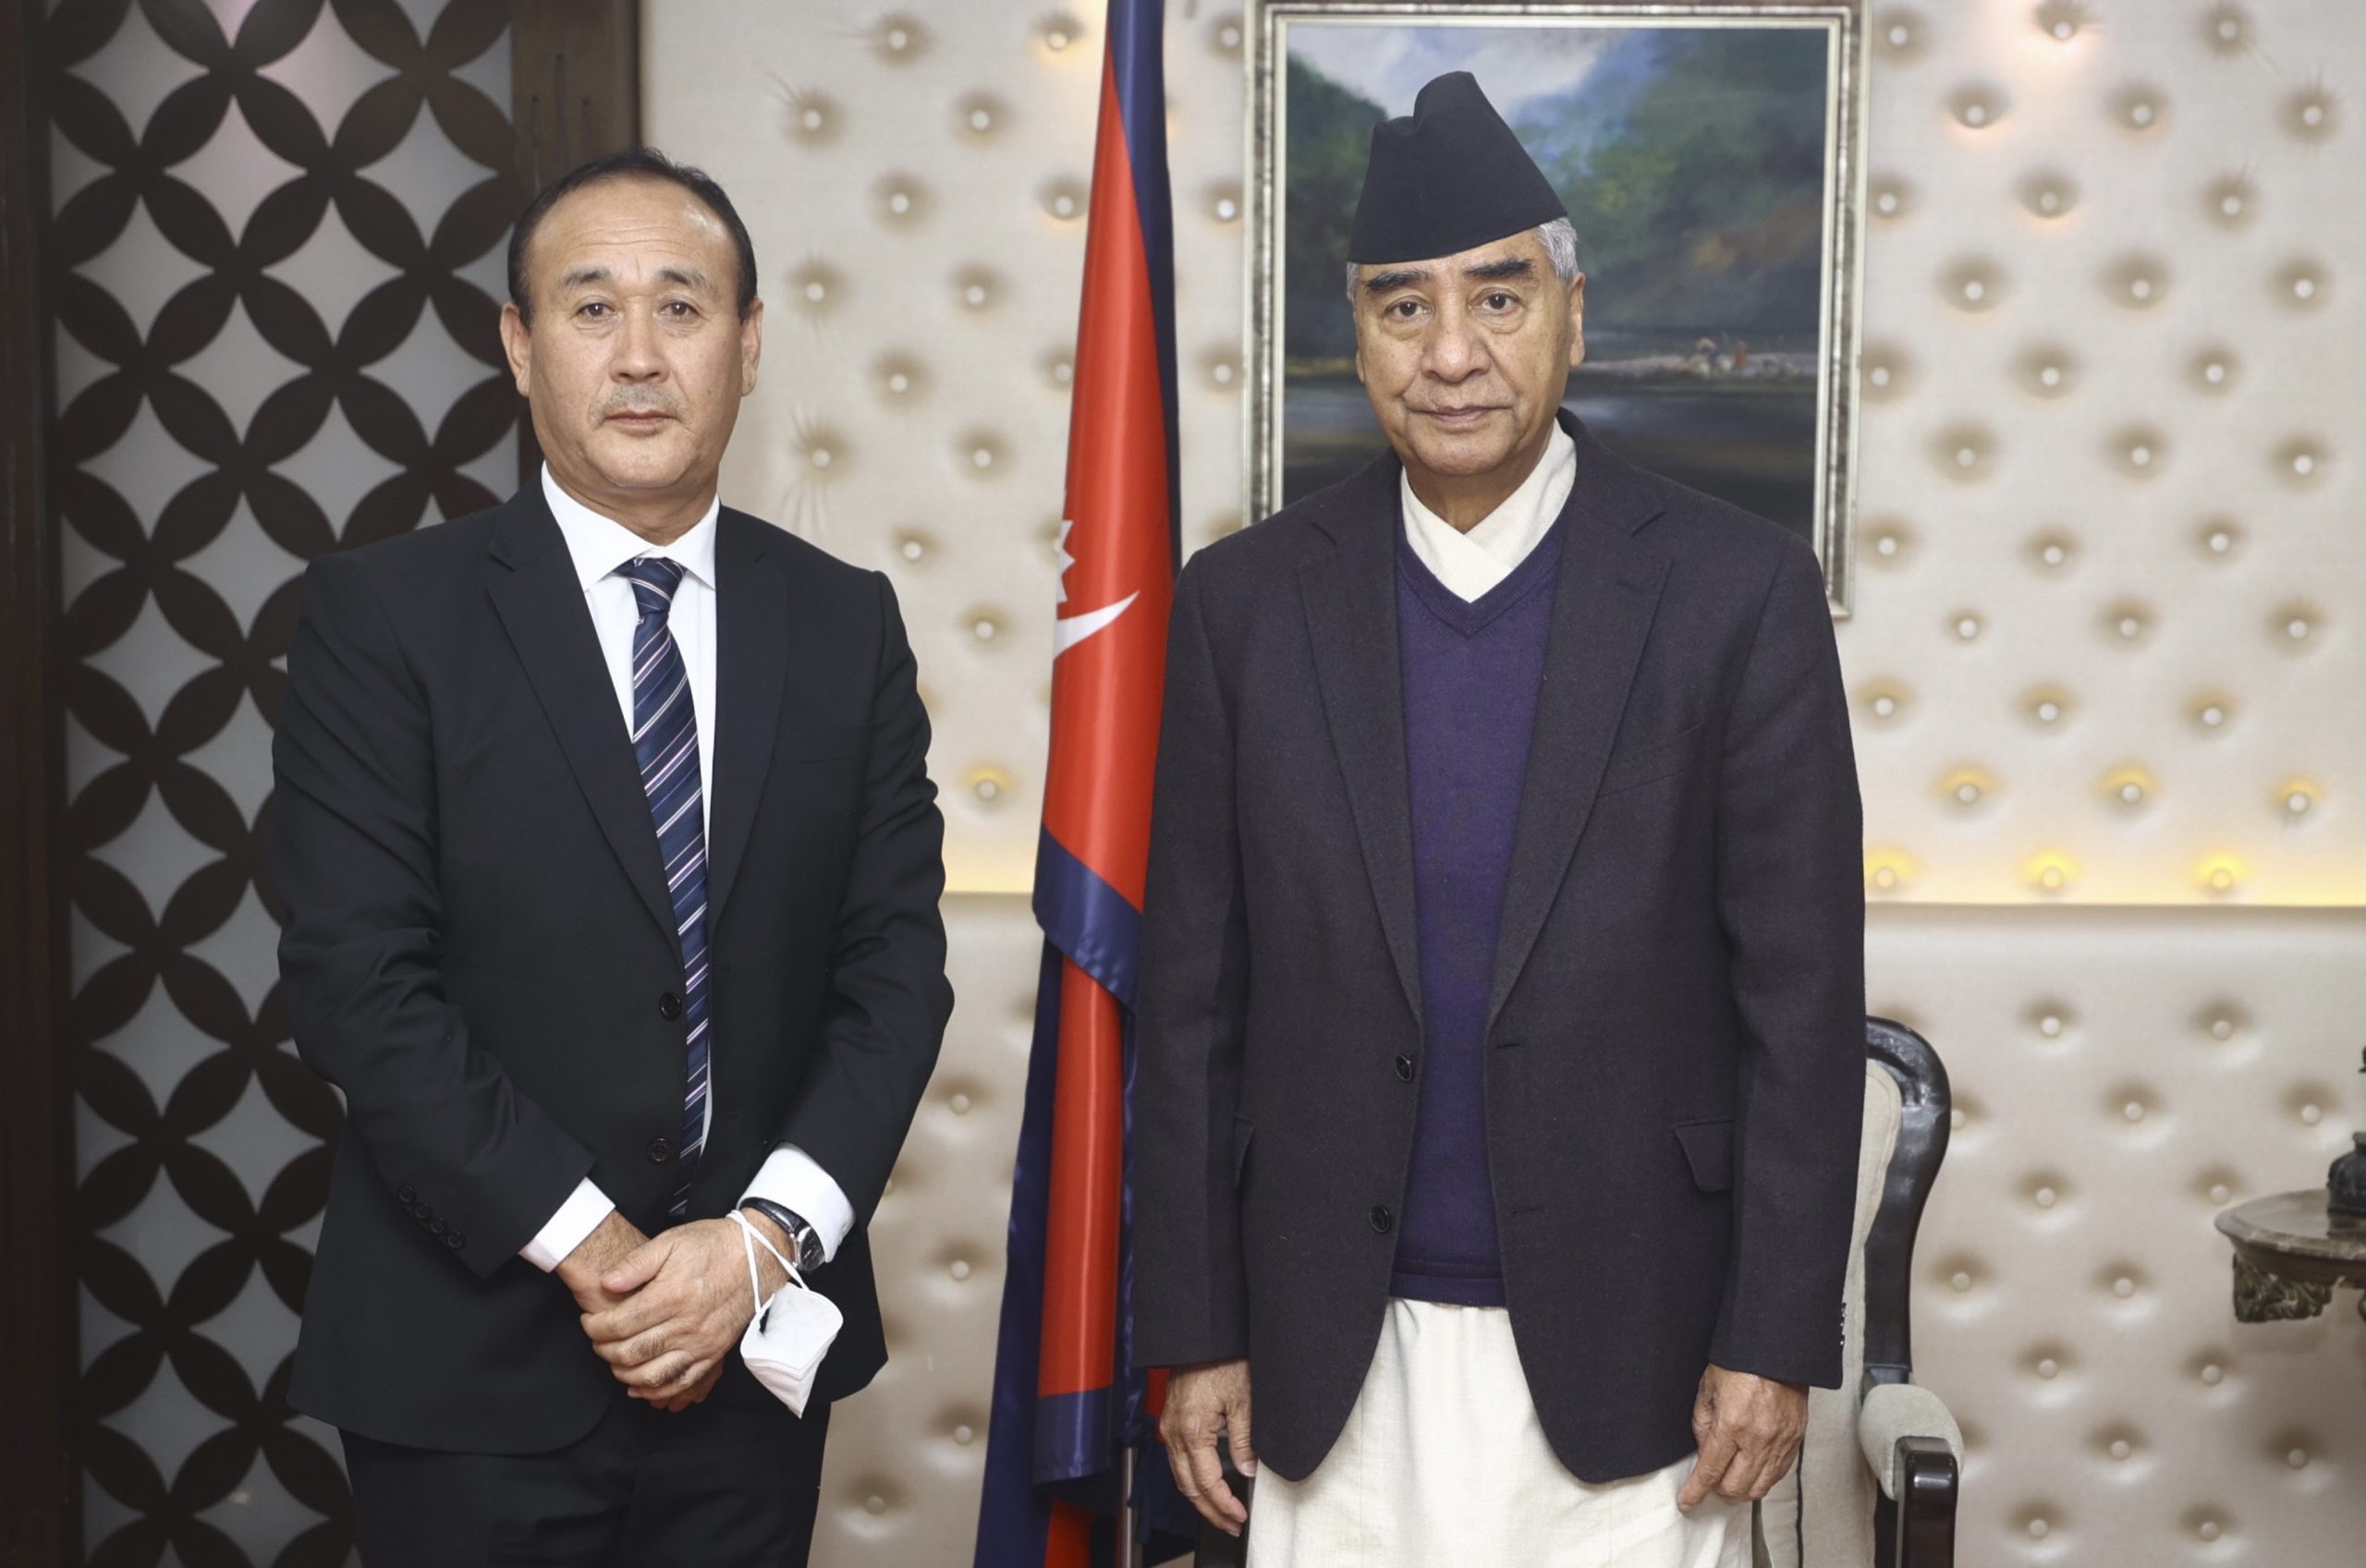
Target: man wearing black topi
[1501, 1002]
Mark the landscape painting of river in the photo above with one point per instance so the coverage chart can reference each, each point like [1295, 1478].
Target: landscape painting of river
[1697, 156]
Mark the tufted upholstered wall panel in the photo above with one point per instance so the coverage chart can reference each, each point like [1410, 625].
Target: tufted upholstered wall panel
[2109, 553]
[2104, 650]
[915, 181]
[2243, 1445]
[2108, 501]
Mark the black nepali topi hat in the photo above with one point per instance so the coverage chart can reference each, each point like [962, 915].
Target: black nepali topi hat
[1447, 177]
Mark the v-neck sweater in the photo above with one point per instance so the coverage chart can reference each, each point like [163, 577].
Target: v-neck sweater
[1471, 669]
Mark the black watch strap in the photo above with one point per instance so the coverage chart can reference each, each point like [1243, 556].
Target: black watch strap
[802, 1237]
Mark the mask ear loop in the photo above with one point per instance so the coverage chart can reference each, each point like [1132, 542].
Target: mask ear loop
[753, 1238]
[747, 1240]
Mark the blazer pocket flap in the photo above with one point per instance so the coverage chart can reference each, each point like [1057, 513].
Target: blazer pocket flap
[1243, 1129]
[1640, 765]
[1709, 1149]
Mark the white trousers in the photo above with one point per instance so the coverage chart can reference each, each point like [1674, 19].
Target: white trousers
[1444, 1464]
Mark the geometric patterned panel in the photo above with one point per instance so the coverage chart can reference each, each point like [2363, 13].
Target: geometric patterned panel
[274, 260]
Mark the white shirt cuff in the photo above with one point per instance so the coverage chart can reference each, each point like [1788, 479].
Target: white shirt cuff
[793, 1179]
[577, 1218]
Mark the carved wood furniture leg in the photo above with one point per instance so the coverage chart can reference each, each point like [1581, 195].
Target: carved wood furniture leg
[2262, 1298]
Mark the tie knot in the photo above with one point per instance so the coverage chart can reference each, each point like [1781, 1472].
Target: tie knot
[653, 579]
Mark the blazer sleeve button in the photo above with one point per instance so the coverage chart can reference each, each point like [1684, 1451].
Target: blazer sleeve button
[404, 1194]
[456, 1241]
[1382, 1219]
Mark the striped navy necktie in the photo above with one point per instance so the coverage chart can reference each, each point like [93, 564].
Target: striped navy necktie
[666, 742]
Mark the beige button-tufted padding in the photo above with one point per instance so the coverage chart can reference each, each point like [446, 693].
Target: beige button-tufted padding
[2122, 1074]
[2104, 1428]
[2106, 646]
[2107, 473]
[2109, 463]
[912, 415]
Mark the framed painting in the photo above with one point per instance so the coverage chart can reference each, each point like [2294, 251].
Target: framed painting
[1710, 157]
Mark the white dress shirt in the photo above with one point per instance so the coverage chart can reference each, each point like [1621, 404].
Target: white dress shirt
[599, 547]
[1470, 563]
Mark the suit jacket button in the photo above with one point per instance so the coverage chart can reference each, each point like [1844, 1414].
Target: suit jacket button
[404, 1194]
[435, 1227]
[456, 1241]
[1381, 1218]
[661, 1151]
[669, 1007]
[1405, 1068]
[419, 1211]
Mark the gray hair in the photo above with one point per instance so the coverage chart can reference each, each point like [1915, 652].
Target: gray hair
[1559, 238]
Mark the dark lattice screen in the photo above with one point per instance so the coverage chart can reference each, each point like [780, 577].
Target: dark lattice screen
[274, 263]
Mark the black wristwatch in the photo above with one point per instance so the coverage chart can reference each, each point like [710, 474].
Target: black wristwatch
[802, 1237]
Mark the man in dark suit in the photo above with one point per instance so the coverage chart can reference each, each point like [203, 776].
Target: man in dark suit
[1502, 1002]
[611, 867]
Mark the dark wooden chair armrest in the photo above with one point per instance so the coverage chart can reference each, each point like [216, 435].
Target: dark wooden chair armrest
[1919, 1529]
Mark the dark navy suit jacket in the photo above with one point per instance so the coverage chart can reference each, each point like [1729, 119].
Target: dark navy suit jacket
[1675, 1043]
[479, 950]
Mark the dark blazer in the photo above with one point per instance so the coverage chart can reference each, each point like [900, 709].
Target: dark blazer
[1674, 1082]
[479, 950]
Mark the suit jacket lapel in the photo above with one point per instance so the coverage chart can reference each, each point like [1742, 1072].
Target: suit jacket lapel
[750, 668]
[540, 602]
[1602, 606]
[1351, 597]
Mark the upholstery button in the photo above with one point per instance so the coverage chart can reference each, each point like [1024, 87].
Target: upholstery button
[1381, 1218]
[661, 1150]
[669, 1006]
[1405, 1068]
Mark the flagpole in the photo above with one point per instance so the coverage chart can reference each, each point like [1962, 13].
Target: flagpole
[1129, 1548]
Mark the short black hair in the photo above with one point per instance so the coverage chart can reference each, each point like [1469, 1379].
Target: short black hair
[634, 163]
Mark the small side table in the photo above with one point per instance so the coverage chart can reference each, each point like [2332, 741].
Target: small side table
[2291, 1256]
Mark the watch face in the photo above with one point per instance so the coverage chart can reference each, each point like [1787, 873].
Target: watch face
[809, 1252]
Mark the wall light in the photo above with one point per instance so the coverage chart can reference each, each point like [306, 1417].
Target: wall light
[2050, 871]
[2220, 873]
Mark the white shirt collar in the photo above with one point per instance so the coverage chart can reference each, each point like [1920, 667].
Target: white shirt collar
[1470, 563]
[599, 546]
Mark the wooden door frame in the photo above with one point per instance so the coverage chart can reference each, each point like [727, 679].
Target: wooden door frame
[37, 1325]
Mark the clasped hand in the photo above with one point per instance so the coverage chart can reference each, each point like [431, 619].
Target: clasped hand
[665, 1311]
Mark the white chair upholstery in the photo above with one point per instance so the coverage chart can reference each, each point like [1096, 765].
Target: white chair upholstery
[1849, 1426]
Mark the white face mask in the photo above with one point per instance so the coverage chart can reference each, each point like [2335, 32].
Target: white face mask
[789, 1336]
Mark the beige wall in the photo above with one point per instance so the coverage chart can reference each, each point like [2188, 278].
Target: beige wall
[903, 237]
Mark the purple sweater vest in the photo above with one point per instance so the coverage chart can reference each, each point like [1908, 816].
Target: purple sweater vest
[1472, 671]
